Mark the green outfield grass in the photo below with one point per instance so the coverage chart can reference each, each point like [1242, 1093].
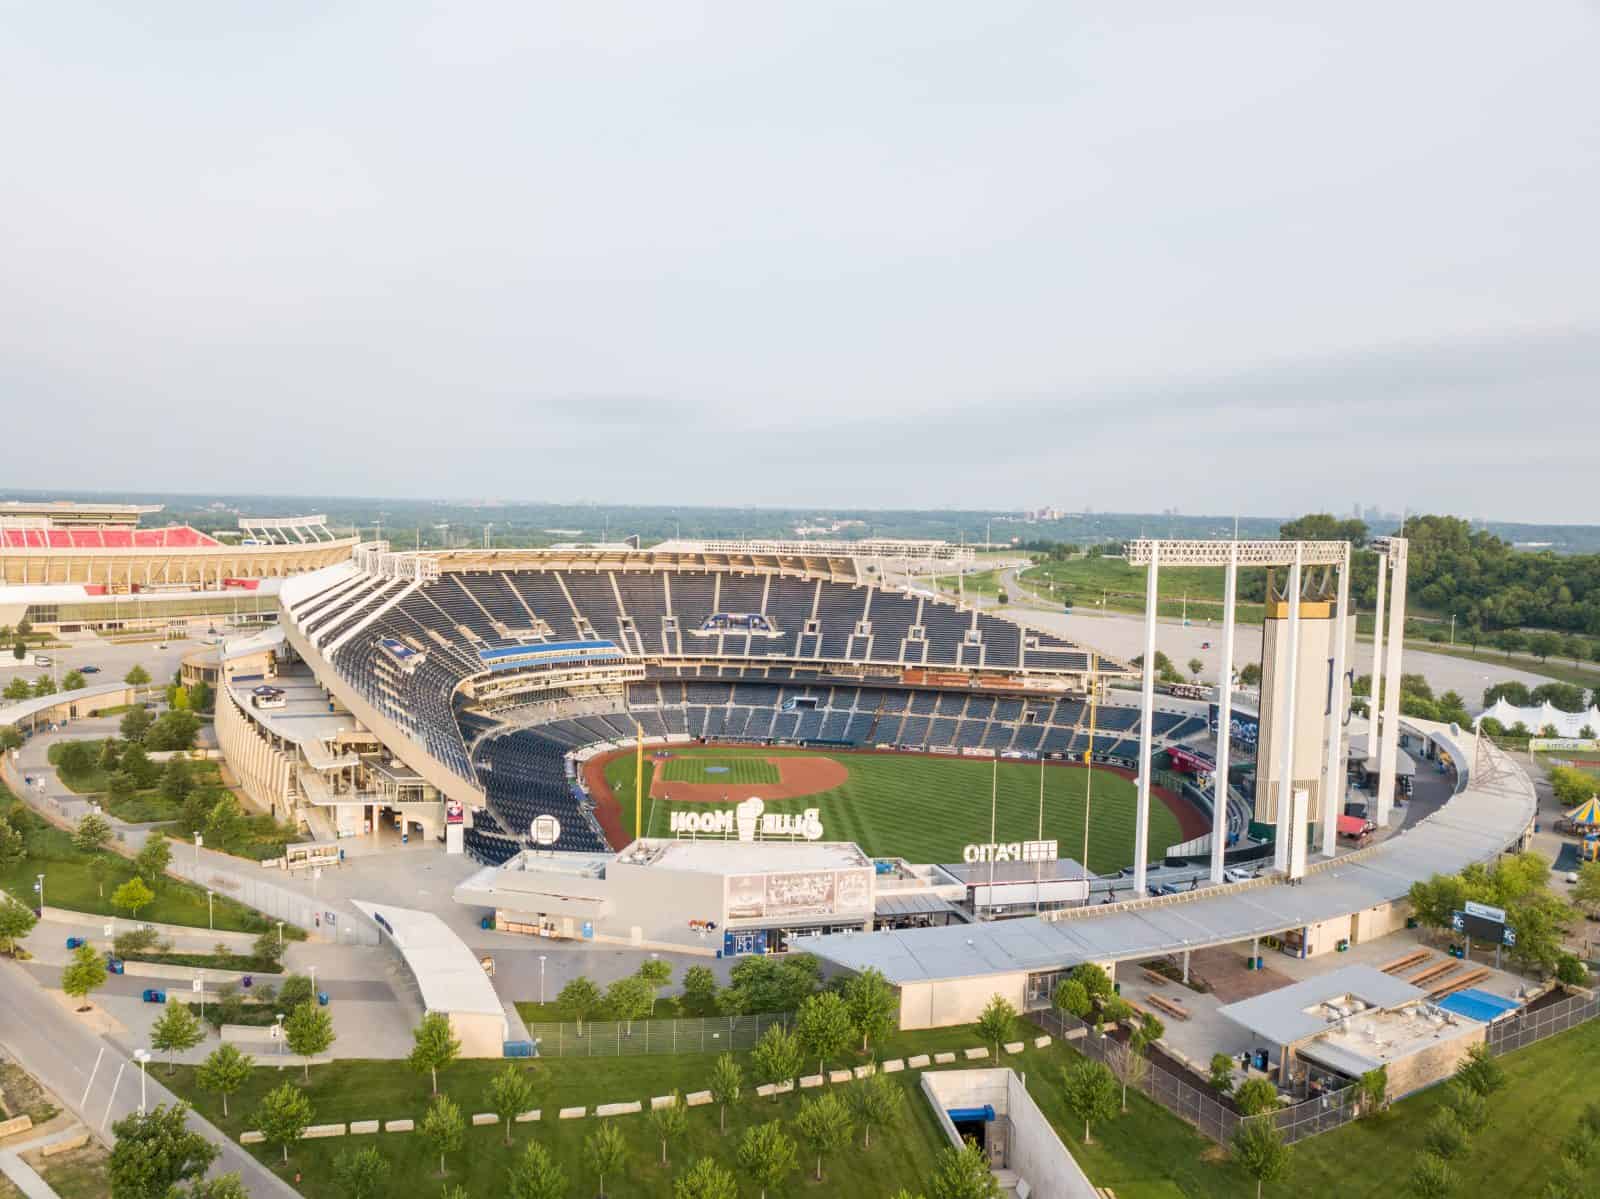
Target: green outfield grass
[926, 809]
[738, 768]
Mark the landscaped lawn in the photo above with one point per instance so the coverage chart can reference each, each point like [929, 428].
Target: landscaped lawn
[926, 808]
[345, 1091]
[69, 883]
[143, 806]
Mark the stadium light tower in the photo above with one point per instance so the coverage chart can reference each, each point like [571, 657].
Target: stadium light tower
[1282, 665]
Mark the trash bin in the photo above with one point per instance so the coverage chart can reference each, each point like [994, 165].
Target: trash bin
[322, 998]
[486, 923]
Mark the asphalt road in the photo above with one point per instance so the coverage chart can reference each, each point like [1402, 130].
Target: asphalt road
[51, 1043]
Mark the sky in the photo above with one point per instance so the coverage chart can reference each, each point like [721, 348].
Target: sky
[1261, 258]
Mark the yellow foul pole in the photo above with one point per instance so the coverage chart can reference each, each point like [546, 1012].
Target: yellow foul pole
[638, 780]
[1088, 756]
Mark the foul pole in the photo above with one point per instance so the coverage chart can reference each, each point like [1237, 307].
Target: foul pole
[638, 780]
[1088, 761]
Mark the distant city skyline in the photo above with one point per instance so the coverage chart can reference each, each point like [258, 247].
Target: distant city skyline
[1232, 258]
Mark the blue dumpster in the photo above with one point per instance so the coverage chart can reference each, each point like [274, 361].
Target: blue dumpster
[74, 942]
[113, 965]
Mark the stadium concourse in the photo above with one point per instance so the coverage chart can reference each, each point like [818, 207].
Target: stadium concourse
[490, 676]
[947, 975]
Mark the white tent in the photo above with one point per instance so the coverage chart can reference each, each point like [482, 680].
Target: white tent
[1567, 724]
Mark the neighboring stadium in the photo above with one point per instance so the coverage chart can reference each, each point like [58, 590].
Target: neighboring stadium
[504, 681]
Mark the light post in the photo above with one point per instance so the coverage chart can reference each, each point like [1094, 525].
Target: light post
[39, 887]
[141, 1056]
[200, 977]
[280, 934]
[211, 919]
[279, 1039]
[198, 842]
[313, 984]
[541, 979]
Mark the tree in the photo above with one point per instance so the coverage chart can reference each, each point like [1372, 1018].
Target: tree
[363, 1174]
[1471, 1108]
[177, 1030]
[434, 1046]
[604, 1152]
[269, 947]
[44, 685]
[175, 781]
[296, 990]
[152, 860]
[1542, 645]
[18, 687]
[1259, 1149]
[655, 974]
[630, 999]
[443, 1128]
[579, 1000]
[870, 1000]
[1432, 1178]
[536, 1175]
[824, 1125]
[92, 833]
[99, 865]
[155, 1152]
[13, 847]
[134, 723]
[308, 1031]
[669, 1122]
[225, 821]
[727, 1080]
[16, 919]
[1571, 970]
[510, 1094]
[1373, 1090]
[120, 786]
[767, 1156]
[85, 973]
[1196, 666]
[224, 1186]
[132, 896]
[1255, 1095]
[1479, 1071]
[699, 986]
[224, 1071]
[1091, 1094]
[776, 1056]
[1132, 1063]
[705, 1180]
[962, 1174]
[1071, 997]
[201, 696]
[1445, 1135]
[283, 1116]
[74, 758]
[997, 1021]
[73, 680]
[875, 1100]
[823, 1026]
[137, 676]
[1222, 1073]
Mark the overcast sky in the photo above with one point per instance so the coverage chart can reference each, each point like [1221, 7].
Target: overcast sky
[1265, 258]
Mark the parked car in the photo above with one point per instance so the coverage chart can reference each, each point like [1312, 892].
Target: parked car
[41, 659]
[1238, 874]
[154, 995]
[113, 964]
[74, 942]
[88, 670]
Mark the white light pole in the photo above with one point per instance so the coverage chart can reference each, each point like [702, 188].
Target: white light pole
[142, 1056]
[211, 919]
[280, 1039]
[313, 982]
[541, 979]
[39, 887]
[198, 842]
[1219, 785]
[280, 934]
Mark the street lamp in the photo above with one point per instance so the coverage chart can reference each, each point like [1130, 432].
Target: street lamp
[198, 842]
[313, 983]
[211, 920]
[280, 934]
[142, 1056]
[39, 887]
[541, 979]
[280, 1039]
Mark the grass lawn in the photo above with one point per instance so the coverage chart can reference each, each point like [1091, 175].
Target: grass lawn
[740, 768]
[259, 838]
[80, 1174]
[69, 882]
[344, 1091]
[979, 582]
[143, 806]
[1086, 581]
[926, 809]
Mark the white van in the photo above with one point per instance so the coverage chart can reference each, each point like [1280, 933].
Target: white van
[41, 660]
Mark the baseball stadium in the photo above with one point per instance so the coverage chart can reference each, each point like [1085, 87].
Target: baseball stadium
[521, 684]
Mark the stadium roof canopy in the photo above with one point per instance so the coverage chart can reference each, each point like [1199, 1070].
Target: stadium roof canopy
[22, 709]
[1489, 814]
[448, 974]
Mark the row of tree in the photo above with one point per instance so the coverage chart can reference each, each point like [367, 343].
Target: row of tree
[1519, 883]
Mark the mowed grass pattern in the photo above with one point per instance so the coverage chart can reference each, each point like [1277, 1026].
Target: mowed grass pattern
[743, 768]
[926, 809]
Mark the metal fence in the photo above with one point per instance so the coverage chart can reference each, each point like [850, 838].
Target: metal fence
[329, 919]
[606, 1038]
[1519, 1031]
[1198, 1106]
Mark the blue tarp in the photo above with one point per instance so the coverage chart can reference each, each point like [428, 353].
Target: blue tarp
[969, 1115]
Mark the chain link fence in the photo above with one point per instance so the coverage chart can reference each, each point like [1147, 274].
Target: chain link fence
[275, 902]
[606, 1038]
[1517, 1032]
[1198, 1106]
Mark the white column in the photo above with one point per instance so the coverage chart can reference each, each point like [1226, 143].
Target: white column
[1219, 786]
[1389, 747]
[1280, 846]
[1377, 661]
[1334, 783]
[1147, 709]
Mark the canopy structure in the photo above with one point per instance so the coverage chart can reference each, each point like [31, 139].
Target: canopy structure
[1566, 724]
[1587, 813]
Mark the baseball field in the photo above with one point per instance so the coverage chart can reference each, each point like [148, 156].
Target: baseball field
[921, 808]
